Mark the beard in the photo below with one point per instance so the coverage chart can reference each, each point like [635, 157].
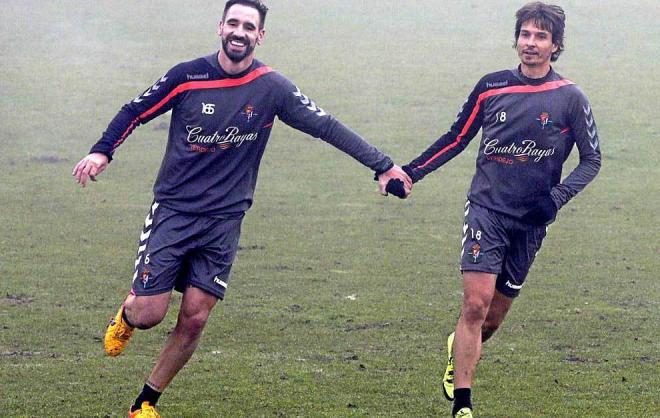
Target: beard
[236, 56]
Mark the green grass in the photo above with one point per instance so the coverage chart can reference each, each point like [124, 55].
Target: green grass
[580, 341]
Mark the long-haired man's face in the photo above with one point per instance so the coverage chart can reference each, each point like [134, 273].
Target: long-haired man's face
[534, 45]
[239, 32]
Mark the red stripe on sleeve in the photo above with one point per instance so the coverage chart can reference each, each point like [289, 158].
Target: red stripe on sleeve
[552, 85]
[193, 85]
[127, 132]
[215, 84]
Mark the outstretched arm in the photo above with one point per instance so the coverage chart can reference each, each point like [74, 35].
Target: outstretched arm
[465, 127]
[302, 113]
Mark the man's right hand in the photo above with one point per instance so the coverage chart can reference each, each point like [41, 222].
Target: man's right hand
[395, 173]
[90, 167]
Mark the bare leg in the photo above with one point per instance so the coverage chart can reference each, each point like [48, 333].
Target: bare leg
[182, 342]
[478, 291]
[144, 312]
[499, 307]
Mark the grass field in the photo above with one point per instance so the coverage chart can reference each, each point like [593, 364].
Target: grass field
[340, 299]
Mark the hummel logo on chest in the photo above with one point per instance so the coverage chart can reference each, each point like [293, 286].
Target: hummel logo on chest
[197, 76]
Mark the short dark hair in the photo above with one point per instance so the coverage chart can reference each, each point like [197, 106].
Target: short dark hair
[256, 4]
[547, 17]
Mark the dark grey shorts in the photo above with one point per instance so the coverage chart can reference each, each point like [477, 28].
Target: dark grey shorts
[499, 244]
[178, 250]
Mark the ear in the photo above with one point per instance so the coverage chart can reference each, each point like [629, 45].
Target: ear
[555, 48]
[261, 36]
[219, 31]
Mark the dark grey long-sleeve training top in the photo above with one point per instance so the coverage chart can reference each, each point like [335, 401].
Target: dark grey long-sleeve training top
[218, 132]
[529, 129]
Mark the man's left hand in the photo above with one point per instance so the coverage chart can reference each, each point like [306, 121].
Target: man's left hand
[543, 213]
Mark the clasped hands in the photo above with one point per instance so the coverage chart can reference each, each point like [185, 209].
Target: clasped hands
[395, 181]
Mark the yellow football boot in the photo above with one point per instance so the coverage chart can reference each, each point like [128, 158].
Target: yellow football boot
[147, 411]
[448, 379]
[117, 335]
[464, 413]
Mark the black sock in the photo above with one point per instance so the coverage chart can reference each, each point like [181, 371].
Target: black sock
[123, 316]
[462, 399]
[147, 395]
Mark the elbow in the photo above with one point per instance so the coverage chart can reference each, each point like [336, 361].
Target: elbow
[594, 163]
[597, 164]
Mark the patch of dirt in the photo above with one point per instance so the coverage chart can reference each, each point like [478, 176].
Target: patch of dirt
[252, 248]
[361, 327]
[29, 354]
[48, 159]
[18, 299]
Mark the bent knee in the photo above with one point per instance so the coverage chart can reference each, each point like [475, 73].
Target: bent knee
[145, 320]
[144, 315]
[474, 310]
[194, 324]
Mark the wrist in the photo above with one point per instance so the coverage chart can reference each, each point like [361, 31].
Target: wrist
[107, 154]
[410, 172]
[384, 169]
